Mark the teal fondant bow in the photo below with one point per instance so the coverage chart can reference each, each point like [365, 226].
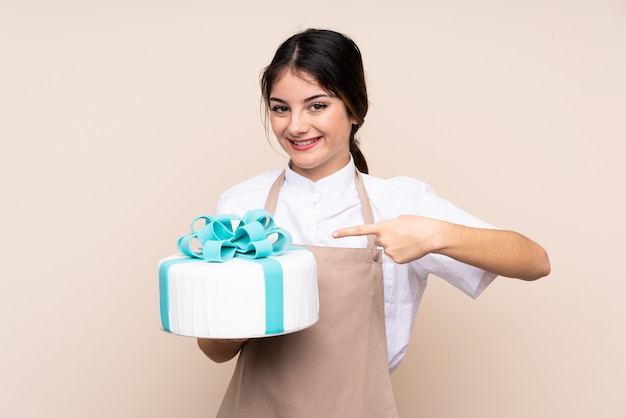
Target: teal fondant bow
[226, 236]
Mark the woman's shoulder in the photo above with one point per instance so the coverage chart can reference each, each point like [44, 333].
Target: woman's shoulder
[398, 195]
[248, 194]
[396, 186]
[409, 196]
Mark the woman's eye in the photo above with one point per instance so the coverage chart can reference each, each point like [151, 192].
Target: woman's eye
[316, 107]
[280, 109]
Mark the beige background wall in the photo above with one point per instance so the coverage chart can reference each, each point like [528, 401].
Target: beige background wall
[122, 120]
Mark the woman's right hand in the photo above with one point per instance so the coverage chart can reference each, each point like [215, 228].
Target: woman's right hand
[220, 350]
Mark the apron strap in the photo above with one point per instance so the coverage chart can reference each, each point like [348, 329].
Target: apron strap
[366, 206]
[272, 195]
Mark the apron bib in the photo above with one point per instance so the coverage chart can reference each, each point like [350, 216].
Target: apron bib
[336, 368]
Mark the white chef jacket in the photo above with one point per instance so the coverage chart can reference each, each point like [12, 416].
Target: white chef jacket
[311, 211]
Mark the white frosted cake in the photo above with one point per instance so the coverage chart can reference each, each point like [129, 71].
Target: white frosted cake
[243, 297]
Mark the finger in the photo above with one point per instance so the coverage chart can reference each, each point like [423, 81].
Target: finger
[353, 231]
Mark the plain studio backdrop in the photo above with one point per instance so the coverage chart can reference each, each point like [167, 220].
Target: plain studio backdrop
[120, 121]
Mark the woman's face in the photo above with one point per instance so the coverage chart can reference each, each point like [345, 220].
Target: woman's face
[311, 125]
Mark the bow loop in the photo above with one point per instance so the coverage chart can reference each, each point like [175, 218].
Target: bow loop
[226, 236]
[247, 233]
[207, 220]
[218, 251]
[261, 216]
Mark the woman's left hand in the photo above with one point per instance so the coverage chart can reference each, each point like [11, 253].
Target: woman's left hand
[410, 237]
[404, 239]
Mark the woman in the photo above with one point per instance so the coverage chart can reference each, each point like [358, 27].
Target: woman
[316, 96]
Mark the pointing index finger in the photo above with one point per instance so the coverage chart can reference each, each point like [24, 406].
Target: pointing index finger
[354, 231]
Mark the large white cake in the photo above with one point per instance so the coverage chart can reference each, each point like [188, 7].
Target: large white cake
[239, 298]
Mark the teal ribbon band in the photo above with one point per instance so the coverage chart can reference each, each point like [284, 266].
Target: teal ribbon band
[164, 289]
[274, 302]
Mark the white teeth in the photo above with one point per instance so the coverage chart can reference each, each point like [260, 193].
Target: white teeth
[302, 143]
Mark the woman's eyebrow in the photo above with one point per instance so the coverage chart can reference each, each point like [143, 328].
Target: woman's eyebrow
[317, 96]
[276, 99]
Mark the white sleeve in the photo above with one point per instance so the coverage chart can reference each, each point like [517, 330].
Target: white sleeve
[220, 207]
[469, 279]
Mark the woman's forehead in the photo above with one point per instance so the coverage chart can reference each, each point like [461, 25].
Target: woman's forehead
[296, 83]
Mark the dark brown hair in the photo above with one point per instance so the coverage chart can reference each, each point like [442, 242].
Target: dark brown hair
[334, 60]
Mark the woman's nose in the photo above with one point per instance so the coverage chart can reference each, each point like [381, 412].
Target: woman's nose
[298, 125]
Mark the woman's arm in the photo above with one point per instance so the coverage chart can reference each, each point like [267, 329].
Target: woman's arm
[505, 253]
[220, 350]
